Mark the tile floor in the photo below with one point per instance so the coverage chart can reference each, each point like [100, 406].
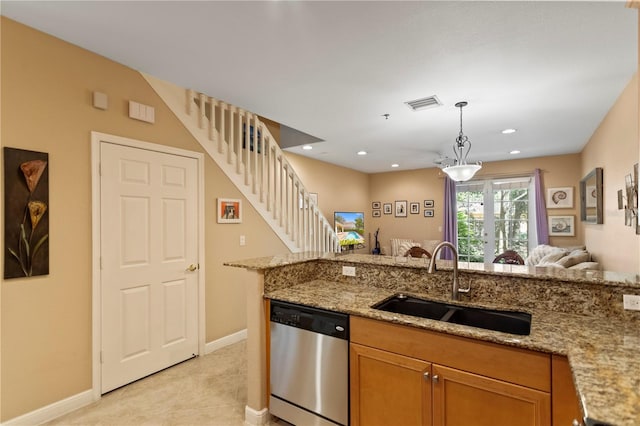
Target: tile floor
[208, 390]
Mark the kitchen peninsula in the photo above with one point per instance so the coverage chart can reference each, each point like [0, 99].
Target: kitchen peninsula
[575, 314]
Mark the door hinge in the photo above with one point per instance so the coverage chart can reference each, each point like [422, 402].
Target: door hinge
[99, 169]
[101, 360]
[100, 262]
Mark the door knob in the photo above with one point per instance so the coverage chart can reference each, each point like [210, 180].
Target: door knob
[192, 267]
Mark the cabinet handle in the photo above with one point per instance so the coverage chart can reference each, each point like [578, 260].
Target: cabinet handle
[435, 378]
[426, 375]
[576, 422]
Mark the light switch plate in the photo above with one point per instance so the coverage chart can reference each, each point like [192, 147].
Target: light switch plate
[631, 302]
[349, 271]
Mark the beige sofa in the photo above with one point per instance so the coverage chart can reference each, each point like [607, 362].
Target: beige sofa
[400, 246]
[561, 257]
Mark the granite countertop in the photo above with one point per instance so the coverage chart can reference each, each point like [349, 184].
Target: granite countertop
[520, 271]
[603, 354]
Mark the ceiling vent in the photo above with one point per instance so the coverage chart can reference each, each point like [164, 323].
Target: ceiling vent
[424, 103]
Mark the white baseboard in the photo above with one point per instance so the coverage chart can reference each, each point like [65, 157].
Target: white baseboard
[225, 341]
[52, 411]
[255, 418]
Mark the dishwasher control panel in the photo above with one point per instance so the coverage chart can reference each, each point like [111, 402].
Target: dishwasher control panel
[313, 319]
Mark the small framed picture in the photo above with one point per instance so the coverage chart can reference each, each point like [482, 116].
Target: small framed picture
[375, 213]
[562, 226]
[386, 208]
[428, 213]
[414, 208]
[229, 210]
[375, 205]
[428, 204]
[560, 198]
[401, 208]
[620, 200]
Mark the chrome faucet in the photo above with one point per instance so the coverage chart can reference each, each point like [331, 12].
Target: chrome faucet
[432, 267]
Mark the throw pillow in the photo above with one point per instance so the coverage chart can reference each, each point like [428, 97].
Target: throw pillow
[574, 258]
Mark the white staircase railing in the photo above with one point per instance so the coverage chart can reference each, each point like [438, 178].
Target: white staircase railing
[242, 146]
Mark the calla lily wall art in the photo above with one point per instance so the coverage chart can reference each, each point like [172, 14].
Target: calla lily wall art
[26, 219]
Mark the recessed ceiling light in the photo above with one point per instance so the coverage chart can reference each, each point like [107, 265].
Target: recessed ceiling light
[508, 131]
[307, 147]
[395, 165]
[515, 151]
[362, 152]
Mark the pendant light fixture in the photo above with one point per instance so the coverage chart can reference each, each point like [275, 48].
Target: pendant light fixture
[461, 171]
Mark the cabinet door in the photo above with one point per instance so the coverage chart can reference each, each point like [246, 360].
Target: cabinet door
[388, 389]
[461, 398]
[565, 403]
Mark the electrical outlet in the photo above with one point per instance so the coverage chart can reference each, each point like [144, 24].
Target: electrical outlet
[349, 271]
[631, 302]
[243, 240]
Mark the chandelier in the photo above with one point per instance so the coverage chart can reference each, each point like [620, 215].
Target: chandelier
[461, 171]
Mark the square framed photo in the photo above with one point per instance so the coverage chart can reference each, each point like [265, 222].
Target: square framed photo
[428, 204]
[375, 213]
[401, 208]
[428, 213]
[229, 210]
[414, 208]
[375, 205]
[562, 226]
[386, 208]
[560, 198]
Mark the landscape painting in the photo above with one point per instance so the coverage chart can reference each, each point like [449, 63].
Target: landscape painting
[350, 229]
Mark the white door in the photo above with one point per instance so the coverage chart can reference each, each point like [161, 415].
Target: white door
[149, 249]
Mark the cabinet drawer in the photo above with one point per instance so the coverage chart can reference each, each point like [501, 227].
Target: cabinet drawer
[514, 365]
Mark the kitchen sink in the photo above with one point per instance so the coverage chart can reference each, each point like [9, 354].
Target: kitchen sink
[408, 305]
[490, 319]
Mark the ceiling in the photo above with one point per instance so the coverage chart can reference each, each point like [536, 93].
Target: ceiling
[551, 70]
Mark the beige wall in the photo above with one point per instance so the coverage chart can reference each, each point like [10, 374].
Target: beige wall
[46, 92]
[614, 147]
[410, 186]
[428, 184]
[338, 188]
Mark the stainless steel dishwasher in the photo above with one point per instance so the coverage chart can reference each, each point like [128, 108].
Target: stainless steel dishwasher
[309, 369]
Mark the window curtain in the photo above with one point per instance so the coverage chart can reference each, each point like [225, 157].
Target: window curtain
[541, 210]
[450, 216]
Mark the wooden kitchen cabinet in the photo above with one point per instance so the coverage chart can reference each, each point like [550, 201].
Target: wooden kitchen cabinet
[388, 389]
[566, 407]
[471, 382]
[462, 398]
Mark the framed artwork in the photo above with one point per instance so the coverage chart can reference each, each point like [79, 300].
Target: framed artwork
[428, 204]
[560, 198]
[414, 208]
[401, 208]
[620, 200]
[428, 213]
[562, 226]
[26, 215]
[375, 213]
[229, 210]
[375, 205]
[386, 208]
